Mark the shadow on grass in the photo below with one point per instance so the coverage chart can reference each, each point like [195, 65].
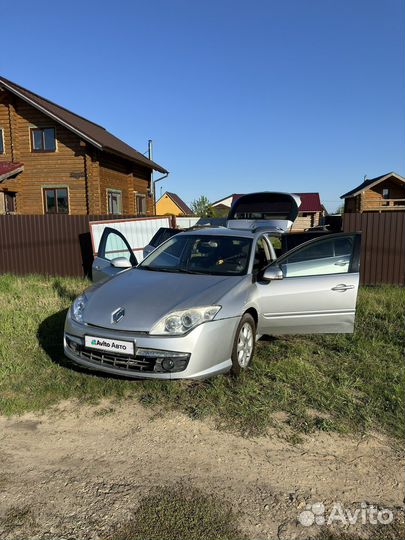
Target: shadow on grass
[63, 292]
[50, 338]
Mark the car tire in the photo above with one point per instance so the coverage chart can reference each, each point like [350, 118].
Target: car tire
[244, 344]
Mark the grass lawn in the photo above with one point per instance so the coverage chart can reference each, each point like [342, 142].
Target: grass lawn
[341, 383]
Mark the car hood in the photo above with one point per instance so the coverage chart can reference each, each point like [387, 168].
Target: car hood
[147, 296]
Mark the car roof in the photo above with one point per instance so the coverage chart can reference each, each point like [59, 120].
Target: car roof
[224, 231]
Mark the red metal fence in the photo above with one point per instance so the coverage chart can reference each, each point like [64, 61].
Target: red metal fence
[383, 245]
[61, 245]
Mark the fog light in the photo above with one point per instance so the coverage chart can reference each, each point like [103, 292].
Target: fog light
[168, 364]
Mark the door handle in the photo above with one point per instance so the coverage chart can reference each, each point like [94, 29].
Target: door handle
[97, 267]
[342, 287]
[341, 263]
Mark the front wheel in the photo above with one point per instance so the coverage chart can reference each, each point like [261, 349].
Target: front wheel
[244, 344]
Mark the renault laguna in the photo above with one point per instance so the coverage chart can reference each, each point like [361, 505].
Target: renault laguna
[195, 306]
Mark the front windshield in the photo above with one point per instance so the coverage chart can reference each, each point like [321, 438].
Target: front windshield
[201, 254]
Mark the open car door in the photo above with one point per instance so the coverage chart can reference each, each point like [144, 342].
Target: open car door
[311, 288]
[114, 255]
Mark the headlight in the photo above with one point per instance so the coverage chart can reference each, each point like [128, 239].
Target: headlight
[78, 308]
[180, 322]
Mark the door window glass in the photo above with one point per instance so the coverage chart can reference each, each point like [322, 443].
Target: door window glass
[328, 256]
[115, 247]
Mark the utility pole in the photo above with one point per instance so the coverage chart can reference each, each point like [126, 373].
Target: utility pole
[150, 156]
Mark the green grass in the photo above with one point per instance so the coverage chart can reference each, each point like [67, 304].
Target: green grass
[178, 512]
[333, 383]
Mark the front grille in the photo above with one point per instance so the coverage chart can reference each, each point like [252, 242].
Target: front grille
[118, 361]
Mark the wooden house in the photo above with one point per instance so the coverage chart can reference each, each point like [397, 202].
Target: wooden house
[55, 161]
[381, 194]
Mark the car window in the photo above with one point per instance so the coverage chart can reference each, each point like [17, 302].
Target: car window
[115, 247]
[329, 256]
[162, 235]
[262, 255]
[201, 254]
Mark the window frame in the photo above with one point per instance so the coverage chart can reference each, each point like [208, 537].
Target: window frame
[143, 197]
[55, 189]
[2, 145]
[117, 191]
[103, 243]
[386, 193]
[42, 150]
[354, 265]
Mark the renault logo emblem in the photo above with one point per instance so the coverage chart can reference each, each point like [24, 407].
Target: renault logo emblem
[117, 315]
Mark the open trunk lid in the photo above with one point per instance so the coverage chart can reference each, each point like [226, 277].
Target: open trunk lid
[269, 208]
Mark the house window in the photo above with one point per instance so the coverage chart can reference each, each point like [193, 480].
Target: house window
[56, 201]
[9, 202]
[386, 193]
[140, 204]
[1, 141]
[114, 201]
[43, 140]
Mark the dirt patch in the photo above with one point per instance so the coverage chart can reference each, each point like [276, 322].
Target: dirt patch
[79, 471]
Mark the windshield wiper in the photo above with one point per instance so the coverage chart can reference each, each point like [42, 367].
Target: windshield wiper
[171, 270]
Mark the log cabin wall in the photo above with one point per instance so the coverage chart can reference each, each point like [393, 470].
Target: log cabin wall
[62, 168]
[86, 172]
[126, 177]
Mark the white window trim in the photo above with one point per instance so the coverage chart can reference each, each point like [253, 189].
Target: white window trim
[144, 196]
[2, 141]
[113, 190]
[54, 186]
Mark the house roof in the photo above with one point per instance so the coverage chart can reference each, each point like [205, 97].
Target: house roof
[367, 184]
[233, 197]
[310, 202]
[178, 202]
[8, 168]
[93, 133]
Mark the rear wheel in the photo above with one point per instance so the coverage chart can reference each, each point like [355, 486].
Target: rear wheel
[244, 344]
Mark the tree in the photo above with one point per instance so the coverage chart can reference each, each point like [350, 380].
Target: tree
[201, 207]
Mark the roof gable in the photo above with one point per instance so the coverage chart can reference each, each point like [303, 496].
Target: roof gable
[367, 184]
[92, 133]
[181, 205]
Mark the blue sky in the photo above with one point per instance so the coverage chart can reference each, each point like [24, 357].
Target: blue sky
[291, 95]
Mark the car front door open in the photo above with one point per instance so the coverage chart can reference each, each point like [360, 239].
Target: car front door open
[318, 291]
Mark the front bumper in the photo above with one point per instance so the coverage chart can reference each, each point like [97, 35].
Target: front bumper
[208, 349]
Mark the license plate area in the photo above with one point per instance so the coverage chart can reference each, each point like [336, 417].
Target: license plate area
[112, 346]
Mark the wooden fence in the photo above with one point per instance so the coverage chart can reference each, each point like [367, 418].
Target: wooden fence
[383, 246]
[61, 245]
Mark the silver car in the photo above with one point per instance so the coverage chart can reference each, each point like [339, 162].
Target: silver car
[197, 304]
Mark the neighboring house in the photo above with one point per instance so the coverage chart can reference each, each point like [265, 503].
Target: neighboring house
[55, 161]
[311, 210]
[170, 203]
[380, 194]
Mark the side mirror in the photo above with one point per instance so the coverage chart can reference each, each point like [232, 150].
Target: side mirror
[272, 272]
[121, 262]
